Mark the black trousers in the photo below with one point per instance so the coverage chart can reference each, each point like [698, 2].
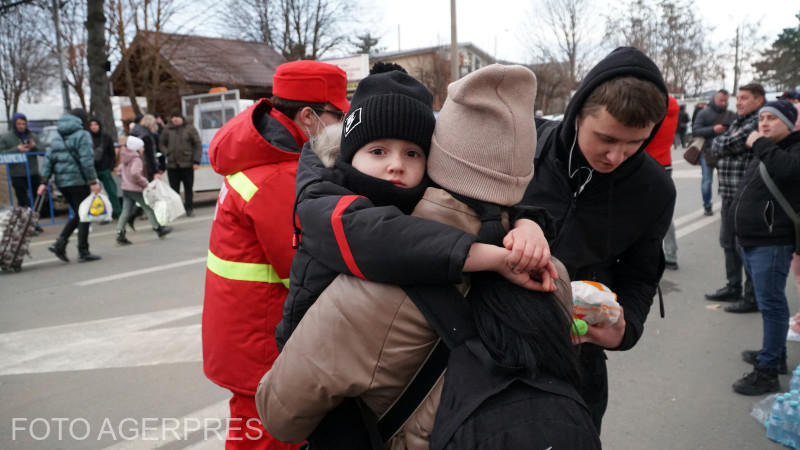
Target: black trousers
[20, 184]
[74, 195]
[185, 175]
[733, 260]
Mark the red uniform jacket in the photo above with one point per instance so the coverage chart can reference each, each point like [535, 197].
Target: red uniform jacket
[661, 146]
[250, 249]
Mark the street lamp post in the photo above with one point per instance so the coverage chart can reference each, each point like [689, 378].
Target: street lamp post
[64, 85]
[454, 75]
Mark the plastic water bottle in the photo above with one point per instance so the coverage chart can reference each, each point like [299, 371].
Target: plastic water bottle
[795, 383]
[775, 425]
[795, 394]
[790, 421]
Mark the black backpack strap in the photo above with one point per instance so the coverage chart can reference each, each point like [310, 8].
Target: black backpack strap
[415, 392]
[787, 208]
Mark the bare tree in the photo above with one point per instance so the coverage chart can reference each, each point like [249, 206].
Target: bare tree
[671, 34]
[297, 29]
[25, 63]
[310, 28]
[147, 19]
[745, 46]
[252, 20]
[571, 22]
[72, 16]
[97, 59]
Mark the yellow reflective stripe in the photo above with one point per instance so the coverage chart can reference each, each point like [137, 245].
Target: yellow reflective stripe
[241, 184]
[241, 271]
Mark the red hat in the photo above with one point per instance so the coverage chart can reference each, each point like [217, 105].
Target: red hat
[311, 81]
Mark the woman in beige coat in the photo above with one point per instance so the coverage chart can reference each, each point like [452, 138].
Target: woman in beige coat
[367, 340]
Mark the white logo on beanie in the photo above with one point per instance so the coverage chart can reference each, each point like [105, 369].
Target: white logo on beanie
[353, 120]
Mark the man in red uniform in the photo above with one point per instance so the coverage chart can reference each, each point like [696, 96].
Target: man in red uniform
[660, 149]
[250, 249]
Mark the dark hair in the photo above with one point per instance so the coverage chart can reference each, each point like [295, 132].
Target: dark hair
[524, 328]
[80, 113]
[753, 88]
[290, 108]
[175, 113]
[632, 101]
[723, 91]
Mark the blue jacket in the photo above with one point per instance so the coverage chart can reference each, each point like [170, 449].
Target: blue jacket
[70, 158]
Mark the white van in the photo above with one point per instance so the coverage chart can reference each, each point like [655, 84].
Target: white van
[208, 112]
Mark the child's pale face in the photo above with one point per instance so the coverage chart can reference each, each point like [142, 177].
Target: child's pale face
[395, 160]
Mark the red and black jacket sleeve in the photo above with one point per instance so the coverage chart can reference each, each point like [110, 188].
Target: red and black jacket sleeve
[349, 234]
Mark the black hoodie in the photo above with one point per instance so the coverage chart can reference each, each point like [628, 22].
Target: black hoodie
[611, 231]
[105, 158]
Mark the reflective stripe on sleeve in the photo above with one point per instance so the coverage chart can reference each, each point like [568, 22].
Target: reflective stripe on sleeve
[241, 271]
[241, 184]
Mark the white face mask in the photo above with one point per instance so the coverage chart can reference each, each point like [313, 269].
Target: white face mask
[312, 137]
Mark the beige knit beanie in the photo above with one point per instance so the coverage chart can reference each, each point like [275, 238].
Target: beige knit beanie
[485, 137]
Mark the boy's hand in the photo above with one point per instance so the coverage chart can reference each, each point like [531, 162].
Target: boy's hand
[604, 336]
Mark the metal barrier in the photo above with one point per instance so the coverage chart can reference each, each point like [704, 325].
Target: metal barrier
[22, 158]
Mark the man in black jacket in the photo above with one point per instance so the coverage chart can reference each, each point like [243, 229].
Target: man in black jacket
[612, 203]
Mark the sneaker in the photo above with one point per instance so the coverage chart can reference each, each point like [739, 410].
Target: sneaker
[708, 211]
[742, 306]
[671, 265]
[189, 213]
[749, 356]
[758, 382]
[725, 294]
[122, 240]
[163, 231]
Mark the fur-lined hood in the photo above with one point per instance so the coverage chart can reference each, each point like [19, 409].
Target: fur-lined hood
[327, 145]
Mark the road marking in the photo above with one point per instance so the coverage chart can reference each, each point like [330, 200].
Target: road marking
[209, 416]
[135, 273]
[124, 341]
[113, 232]
[694, 214]
[694, 226]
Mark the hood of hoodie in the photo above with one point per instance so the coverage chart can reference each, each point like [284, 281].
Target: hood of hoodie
[68, 124]
[239, 145]
[624, 61]
[126, 155]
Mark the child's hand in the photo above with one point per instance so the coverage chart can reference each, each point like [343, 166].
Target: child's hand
[530, 252]
[489, 257]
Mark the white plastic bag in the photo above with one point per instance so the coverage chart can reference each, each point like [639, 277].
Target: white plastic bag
[166, 203]
[595, 303]
[95, 208]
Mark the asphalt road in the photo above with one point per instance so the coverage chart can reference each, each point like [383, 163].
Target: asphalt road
[107, 354]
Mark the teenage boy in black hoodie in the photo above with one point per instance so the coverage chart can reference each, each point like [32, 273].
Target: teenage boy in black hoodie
[612, 203]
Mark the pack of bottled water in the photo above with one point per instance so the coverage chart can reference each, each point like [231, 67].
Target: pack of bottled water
[783, 424]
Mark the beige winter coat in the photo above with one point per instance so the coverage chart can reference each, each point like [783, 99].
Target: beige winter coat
[361, 339]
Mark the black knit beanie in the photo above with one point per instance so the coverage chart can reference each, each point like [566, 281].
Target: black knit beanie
[388, 105]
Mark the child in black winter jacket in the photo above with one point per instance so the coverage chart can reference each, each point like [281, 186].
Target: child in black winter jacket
[354, 204]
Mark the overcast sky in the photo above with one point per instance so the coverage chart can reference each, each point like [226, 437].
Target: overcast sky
[503, 25]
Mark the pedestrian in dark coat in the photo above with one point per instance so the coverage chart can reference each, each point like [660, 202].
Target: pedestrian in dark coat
[183, 149]
[21, 139]
[105, 159]
[767, 238]
[612, 202]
